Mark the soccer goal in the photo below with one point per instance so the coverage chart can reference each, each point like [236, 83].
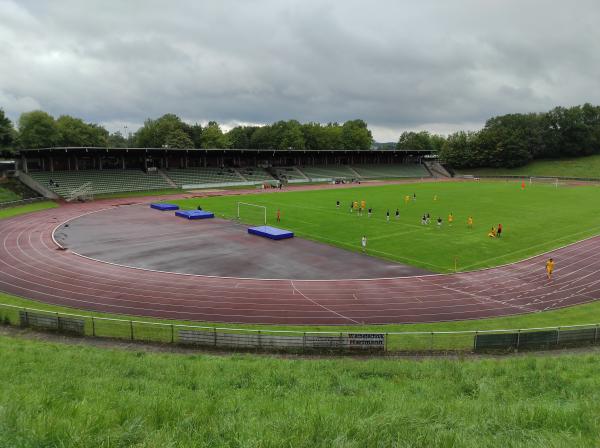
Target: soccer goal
[545, 180]
[251, 213]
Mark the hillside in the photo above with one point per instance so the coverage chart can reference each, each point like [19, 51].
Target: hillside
[586, 167]
[74, 395]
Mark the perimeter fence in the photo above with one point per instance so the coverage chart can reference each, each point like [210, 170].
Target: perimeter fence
[406, 342]
[8, 204]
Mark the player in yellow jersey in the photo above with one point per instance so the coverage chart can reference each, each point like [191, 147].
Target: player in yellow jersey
[406, 199]
[470, 222]
[355, 205]
[549, 268]
[450, 219]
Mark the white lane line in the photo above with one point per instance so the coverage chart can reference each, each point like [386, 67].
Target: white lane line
[323, 306]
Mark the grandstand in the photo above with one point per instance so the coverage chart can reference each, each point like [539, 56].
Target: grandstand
[203, 175]
[328, 172]
[77, 172]
[64, 183]
[255, 174]
[373, 171]
[290, 174]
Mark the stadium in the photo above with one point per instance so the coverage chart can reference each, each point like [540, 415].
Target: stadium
[299, 224]
[317, 291]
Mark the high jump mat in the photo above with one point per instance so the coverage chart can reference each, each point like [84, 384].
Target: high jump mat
[164, 207]
[271, 232]
[195, 214]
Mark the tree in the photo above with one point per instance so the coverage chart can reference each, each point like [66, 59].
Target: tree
[74, 132]
[459, 150]
[195, 133]
[241, 136]
[213, 137]
[356, 135]
[292, 137]
[415, 141]
[7, 132]
[37, 129]
[116, 140]
[154, 133]
[178, 138]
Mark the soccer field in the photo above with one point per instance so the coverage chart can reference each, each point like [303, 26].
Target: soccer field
[537, 219]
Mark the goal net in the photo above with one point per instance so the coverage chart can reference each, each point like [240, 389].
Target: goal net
[545, 180]
[252, 213]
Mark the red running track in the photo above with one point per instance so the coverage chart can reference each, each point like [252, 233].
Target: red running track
[32, 267]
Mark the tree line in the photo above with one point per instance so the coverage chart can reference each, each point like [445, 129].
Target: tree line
[38, 129]
[513, 140]
[505, 141]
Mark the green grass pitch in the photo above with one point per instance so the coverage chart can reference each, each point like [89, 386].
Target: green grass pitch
[537, 219]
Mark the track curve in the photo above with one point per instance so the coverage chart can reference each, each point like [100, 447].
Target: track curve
[32, 267]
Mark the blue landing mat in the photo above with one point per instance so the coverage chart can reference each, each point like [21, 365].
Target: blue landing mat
[195, 214]
[271, 232]
[164, 206]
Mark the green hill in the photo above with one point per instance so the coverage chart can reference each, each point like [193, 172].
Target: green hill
[585, 167]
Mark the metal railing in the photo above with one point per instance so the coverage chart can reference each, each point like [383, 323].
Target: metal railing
[405, 342]
[22, 202]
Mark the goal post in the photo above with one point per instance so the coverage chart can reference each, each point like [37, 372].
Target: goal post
[251, 212]
[545, 180]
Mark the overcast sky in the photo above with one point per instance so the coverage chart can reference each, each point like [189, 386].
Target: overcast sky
[437, 65]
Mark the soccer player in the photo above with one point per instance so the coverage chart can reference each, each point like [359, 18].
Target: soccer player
[363, 243]
[363, 204]
[337, 204]
[387, 215]
[370, 211]
[470, 222]
[414, 197]
[355, 205]
[406, 199]
[278, 215]
[549, 268]
[434, 197]
[424, 220]
[439, 222]
[427, 219]
[492, 233]
[450, 219]
[397, 213]
[499, 232]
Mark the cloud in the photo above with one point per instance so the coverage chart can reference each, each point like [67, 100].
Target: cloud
[399, 65]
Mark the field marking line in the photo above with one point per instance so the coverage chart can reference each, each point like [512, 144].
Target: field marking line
[323, 306]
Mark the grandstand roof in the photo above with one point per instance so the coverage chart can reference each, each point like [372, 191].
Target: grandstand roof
[97, 149]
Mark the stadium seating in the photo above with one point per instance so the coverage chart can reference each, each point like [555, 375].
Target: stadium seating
[289, 173]
[102, 181]
[255, 174]
[390, 171]
[328, 172]
[202, 175]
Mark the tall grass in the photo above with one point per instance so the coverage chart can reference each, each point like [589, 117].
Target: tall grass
[62, 396]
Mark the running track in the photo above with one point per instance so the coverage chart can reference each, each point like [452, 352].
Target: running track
[32, 267]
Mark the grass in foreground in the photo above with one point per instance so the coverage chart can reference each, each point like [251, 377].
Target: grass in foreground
[22, 209]
[585, 167]
[66, 396]
[7, 195]
[535, 220]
